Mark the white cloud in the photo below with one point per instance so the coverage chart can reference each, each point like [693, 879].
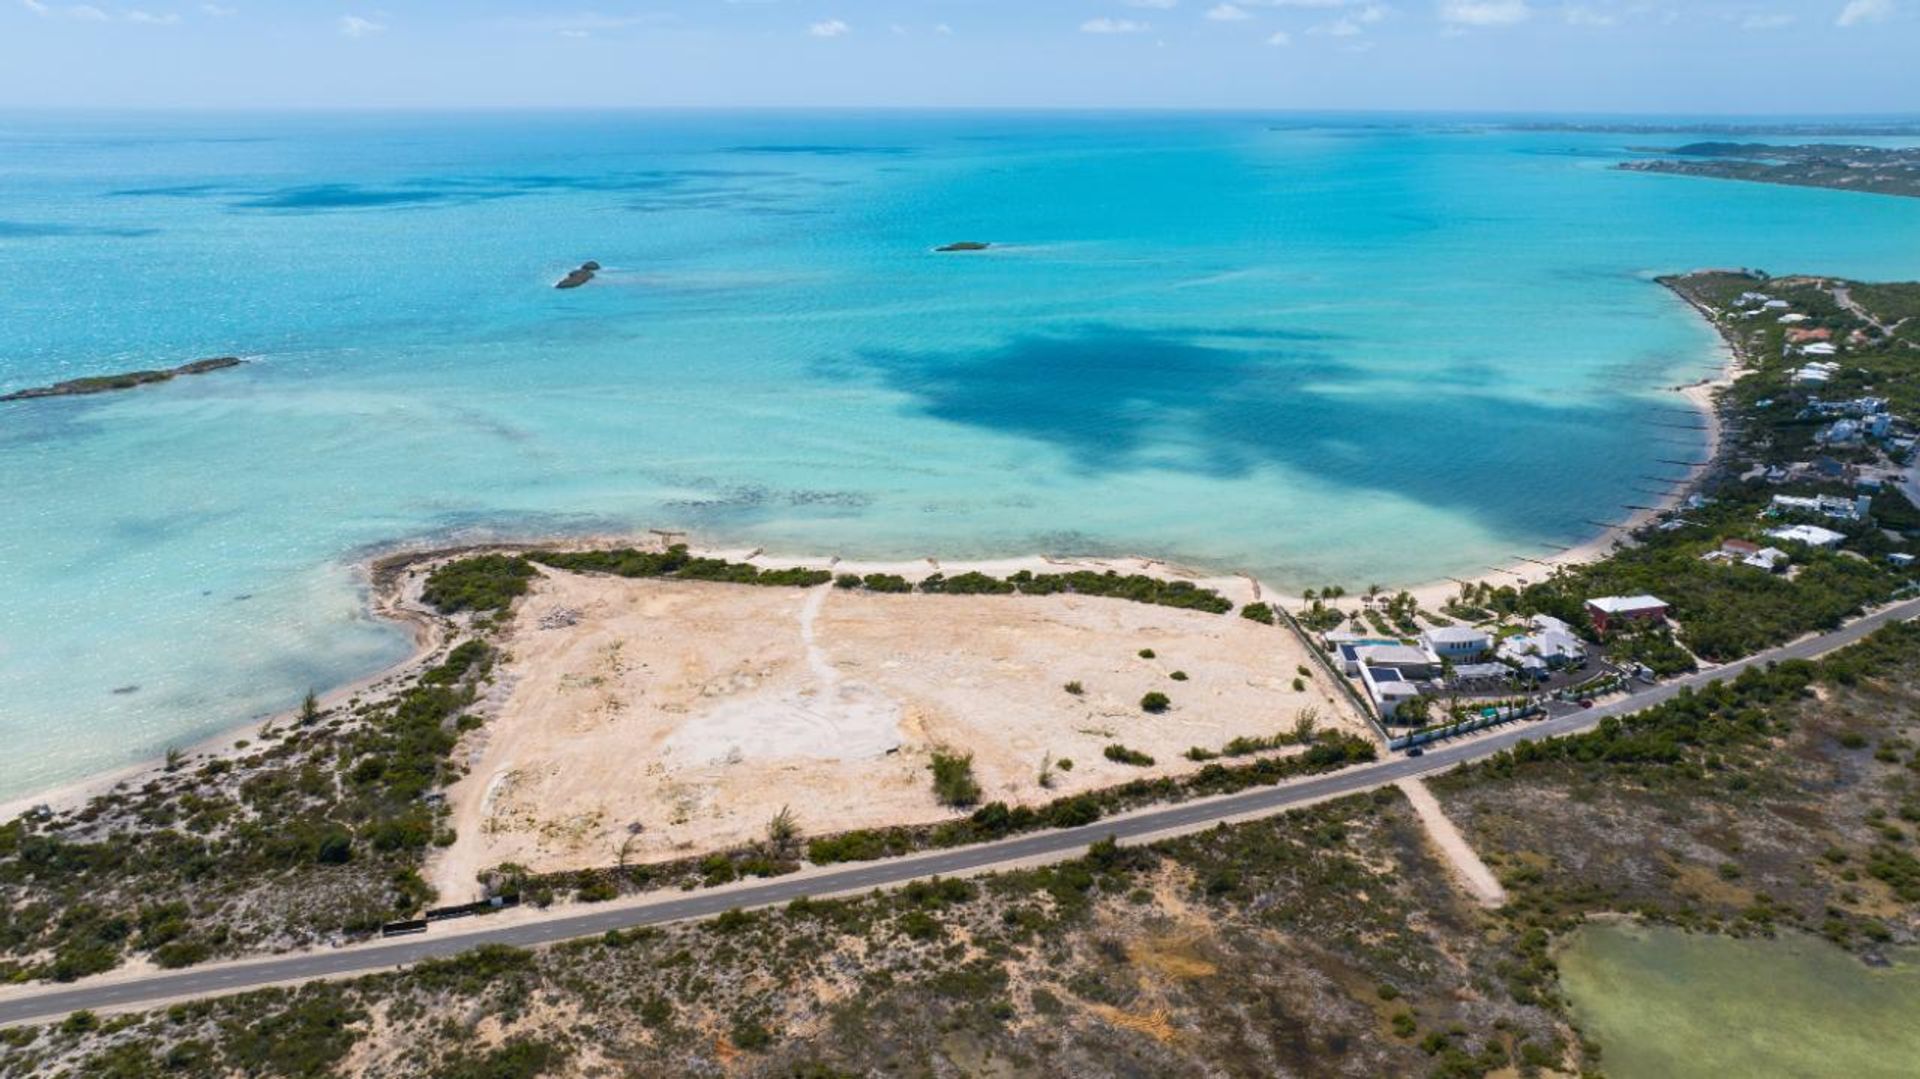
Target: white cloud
[147, 18]
[942, 28]
[218, 12]
[356, 26]
[1113, 26]
[36, 7]
[829, 28]
[1227, 13]
[1484, 12]
[1766, 20]
[1280, 38]
[1858, 12]
[1157, 5]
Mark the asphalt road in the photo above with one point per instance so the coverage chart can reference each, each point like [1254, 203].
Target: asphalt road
[55, 1001]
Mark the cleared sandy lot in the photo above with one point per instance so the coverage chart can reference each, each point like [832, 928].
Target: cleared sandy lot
[651, 719]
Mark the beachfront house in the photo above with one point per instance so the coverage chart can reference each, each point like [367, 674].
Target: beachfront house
[1457, 644]
[1548, 645]
[1609, 613]
[1830, 506]
[1811, 535]
[1346, 645]
[1392, 674]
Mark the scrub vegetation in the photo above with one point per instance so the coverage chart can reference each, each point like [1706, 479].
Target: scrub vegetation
[314, 834]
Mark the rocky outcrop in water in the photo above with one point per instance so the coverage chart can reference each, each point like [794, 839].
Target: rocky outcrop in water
[965, 245]
[580, 276]
[125, 381]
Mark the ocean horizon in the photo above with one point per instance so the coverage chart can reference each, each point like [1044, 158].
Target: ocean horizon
[1321, 348]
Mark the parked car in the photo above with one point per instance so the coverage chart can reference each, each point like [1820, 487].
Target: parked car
[1416, 751]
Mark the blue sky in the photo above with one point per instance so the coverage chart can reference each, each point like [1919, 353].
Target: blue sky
[1732, 56]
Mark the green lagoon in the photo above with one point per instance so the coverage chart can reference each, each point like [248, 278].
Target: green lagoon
[1664, 1004]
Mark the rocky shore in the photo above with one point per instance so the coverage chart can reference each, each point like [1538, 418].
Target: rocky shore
[79, 387]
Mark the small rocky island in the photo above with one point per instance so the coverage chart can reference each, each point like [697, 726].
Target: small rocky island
[581, 276]
[79, 387]
[964, 245]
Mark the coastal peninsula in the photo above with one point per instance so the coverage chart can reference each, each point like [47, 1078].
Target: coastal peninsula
[127, 380]
[1871, 169]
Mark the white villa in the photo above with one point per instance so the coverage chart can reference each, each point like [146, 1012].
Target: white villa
[1390, 673]
[1457, 644]
[1833, 506]
[1550, 645]
[1811, 535]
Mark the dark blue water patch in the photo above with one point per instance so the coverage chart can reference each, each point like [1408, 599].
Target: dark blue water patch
[1117, 400]
[39, 230]
[455, 190]
[170, 191]
[342, 196]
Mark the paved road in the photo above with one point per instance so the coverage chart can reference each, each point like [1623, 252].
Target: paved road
[215, 980]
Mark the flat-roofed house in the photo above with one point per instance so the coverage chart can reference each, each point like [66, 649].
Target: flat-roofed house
[1811, 535]
[1615, 612]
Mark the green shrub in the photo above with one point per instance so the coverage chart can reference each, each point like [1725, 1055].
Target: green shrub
[953, 781]
[488, 582]
[1120, 754]
[1155, 702]
[677, 562]
[1258, 612]
[886, 582]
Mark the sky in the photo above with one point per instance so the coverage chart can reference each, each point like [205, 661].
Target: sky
[1591, 56]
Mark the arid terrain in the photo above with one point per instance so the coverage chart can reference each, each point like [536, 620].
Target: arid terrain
[642, 720]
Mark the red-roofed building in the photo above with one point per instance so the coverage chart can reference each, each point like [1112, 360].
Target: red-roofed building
[1615, 612]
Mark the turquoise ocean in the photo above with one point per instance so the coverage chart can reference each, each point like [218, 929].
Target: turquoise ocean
[1332, 349]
